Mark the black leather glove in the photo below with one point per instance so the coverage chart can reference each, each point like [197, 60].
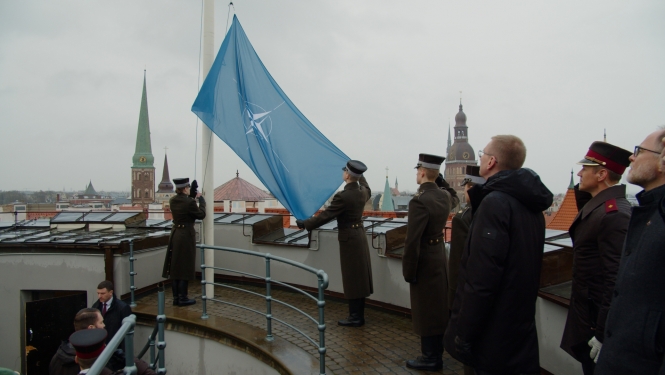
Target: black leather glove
[413, 281]
[193, 189]
[300, 224]
[463, 350]
[440, 182]
[202, 201]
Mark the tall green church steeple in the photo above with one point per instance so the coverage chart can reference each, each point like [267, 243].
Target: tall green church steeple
[143, 154]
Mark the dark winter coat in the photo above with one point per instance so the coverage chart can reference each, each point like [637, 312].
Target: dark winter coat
[118, 311]
[495, 303]
[635, 328]
[347, 207]
[63, 362]
[460, 223]
[181, 251]
[424, 259]
[598, 233]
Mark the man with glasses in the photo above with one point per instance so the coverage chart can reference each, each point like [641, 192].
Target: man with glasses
[635, 330]
[492, 325]
[598, 232]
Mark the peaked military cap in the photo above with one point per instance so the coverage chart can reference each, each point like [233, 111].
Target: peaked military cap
[181, 182]
[473, 175]
[88, 343]
[355, 168]
[430, 161]
[607, 155]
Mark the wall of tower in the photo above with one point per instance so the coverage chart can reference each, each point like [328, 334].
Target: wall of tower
[143, 185]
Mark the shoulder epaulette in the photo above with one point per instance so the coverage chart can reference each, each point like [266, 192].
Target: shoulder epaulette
[611, 205]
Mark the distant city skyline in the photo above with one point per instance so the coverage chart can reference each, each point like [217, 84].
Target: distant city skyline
[380, 82]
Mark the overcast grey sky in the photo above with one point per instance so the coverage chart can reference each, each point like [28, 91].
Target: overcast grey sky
[380, 79]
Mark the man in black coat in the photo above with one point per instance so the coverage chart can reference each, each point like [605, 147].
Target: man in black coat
[63, 362]
[113, 309]
[598, 232]
[492, 326]
[635, 330]
[424, 260]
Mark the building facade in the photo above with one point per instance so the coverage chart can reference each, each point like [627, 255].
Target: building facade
[143, 168]
[460, 154]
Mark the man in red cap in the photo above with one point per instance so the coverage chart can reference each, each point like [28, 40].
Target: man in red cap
[598, 233]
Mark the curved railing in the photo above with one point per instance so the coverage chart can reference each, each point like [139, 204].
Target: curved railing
[320, 299]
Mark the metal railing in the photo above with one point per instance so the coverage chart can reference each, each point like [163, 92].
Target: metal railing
[320, 299]
[126, 333]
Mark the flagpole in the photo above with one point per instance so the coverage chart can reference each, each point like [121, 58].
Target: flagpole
[207, 151]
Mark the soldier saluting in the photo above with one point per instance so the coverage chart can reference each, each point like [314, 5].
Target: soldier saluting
[347, 207]
[181, 252]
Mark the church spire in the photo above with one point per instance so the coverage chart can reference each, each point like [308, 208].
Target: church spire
[449, 144]
[387, 198]
[165, 186]
[143, 153]
[572, 182]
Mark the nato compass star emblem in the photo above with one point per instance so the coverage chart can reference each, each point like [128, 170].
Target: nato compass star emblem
[257, 120]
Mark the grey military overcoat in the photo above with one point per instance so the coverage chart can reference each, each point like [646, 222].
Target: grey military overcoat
[181, 251]
[347, 207]
[424, 260]
[460, 230]
[598, 233]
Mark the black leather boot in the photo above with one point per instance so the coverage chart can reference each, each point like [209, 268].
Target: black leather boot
[174, 288]
[184, 300]
[355, 318]
[432, 348]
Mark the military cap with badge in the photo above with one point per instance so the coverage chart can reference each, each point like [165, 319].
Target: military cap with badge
[88, 343]
[609, 156]
[355, 168]
[472, 175]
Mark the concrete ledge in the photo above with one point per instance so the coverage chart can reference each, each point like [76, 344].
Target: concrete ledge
[279, 354]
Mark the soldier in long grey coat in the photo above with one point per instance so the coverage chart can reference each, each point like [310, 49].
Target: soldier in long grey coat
[598, 233]
[181, 252]
[461, 223]
[347, 207]
[424, 261]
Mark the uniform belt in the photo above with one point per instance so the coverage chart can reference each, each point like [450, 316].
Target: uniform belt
[183, 225]
[432, 240]
[347, 225]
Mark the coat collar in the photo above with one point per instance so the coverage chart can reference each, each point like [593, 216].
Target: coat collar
[646, 198]
[616, 191]
[427, 186]
[352, 186]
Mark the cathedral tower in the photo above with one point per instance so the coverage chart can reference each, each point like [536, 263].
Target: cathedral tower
[143, 169]
[460, 154]
[165, 188]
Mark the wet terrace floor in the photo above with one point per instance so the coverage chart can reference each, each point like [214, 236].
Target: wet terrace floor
[381, 346]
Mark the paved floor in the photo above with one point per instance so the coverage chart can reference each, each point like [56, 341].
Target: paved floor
[380, 347]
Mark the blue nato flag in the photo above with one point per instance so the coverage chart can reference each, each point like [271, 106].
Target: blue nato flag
[244, 106]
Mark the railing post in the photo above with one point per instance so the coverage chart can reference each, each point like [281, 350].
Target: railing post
[132, 287]
[322, 325]
[268, 300]
[204, 299]
[130, 367]
[161, 343]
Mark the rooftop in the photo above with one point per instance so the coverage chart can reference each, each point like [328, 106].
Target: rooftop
[238, 189]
